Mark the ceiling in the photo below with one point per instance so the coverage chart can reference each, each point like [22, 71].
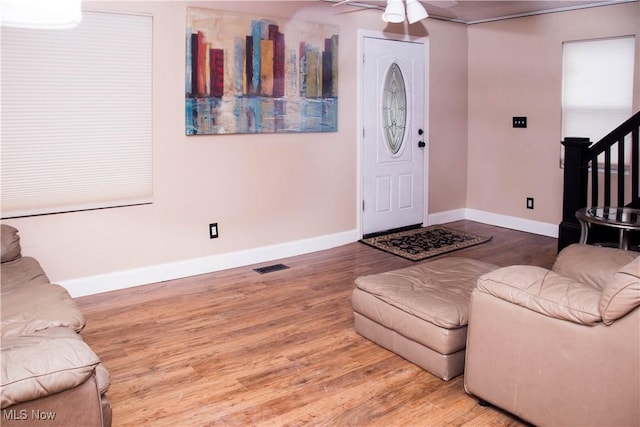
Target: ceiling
[476, 11]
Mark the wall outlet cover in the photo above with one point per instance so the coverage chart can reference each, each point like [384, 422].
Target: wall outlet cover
[213, 230]
[529, 202]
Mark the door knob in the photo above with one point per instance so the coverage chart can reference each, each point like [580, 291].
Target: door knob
[420, 131]
[421, 144]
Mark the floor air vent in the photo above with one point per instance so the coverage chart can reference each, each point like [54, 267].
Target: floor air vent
[271, 268]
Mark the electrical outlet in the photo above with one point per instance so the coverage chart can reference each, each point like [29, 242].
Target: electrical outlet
[529, 202]
[213, 230]
[519, 122]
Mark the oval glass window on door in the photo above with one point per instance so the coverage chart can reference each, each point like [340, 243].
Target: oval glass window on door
[394, 108]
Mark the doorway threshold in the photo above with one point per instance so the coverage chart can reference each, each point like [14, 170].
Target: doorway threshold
[391, 231]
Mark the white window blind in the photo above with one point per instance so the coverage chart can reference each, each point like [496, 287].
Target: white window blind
[597, 87]
[77, 116]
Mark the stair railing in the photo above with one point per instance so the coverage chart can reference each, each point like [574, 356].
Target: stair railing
[581, 160]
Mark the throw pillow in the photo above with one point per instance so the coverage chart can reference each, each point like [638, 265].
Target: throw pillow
[622, 293]
[10, 249]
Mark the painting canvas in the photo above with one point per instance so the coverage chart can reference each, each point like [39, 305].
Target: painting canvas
[247, 74]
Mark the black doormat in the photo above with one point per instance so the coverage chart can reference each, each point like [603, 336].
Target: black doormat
[427, 242]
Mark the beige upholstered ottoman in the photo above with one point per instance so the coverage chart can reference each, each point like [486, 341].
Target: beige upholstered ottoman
[420, 312]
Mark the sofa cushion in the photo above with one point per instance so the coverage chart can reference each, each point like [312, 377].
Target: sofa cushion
[29, 309]
[103, 380]
[622, 293]
[42, 364]
[590, 264]
[10, 243]
[437, 291]
[22, 272]
[544, 292]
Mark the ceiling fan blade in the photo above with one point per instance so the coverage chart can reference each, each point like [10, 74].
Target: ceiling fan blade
[340, 3]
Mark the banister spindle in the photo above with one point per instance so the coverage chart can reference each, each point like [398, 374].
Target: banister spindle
[635, 166]
[595, 189]
[607, 177]
[621, 165]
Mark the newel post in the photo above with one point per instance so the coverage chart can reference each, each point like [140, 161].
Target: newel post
[574, 196]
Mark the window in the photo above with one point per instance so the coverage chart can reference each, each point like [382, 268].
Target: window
[76, 116]
[597, 86]
[394, 108]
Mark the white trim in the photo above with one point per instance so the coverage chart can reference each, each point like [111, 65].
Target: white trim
[192, 267]
[175, 270]
[546, 11]
[512, 222]
[363, 5]
[446, 216]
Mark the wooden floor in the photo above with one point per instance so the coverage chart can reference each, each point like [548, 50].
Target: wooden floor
[242, 349]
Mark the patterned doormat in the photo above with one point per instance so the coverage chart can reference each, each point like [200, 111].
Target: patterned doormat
[422, 243]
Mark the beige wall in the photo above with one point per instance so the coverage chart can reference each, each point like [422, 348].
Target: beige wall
[515, 69]
[268, 190]
[263, 190]
[447, 117]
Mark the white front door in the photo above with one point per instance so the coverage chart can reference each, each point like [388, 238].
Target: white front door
[394, 136]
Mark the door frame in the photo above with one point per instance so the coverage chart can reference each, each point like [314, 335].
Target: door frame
[424, 40]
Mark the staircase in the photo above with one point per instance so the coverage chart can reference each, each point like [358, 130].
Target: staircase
[589, 171]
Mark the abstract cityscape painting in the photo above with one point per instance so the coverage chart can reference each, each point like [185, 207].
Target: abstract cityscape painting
[247, 74]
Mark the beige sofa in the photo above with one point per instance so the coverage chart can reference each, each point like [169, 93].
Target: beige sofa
[559, 347]
[49, 375]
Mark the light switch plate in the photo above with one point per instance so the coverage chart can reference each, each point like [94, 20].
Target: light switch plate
[519, 122]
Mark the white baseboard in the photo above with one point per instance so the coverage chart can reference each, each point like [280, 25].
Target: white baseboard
[179, 269]
[446, 216]
[514, 223]
[192, 267]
